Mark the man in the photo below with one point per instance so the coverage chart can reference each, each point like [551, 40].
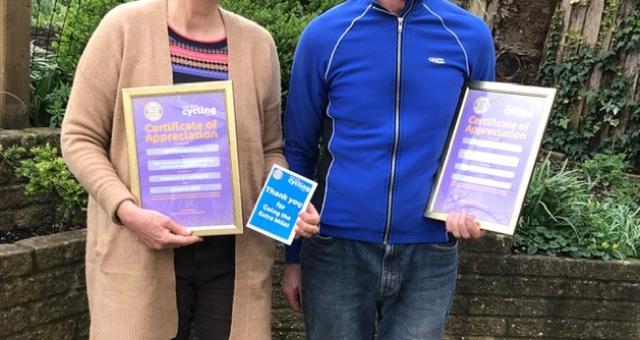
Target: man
[377, 82]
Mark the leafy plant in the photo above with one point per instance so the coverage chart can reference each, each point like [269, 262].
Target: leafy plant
[592, 210]
[82, 19]
[57, 100]
[608, 170]
[50, 87]
[12, 154]
[46, 174]
[44, 75]
[49, 13]
[552, 210]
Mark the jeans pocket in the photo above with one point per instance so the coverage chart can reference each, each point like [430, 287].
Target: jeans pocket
[452, 245]
[319, 241]
[318, 250]
[322, 240]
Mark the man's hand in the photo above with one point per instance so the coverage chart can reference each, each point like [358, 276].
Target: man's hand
[307, 224]
[154, 229]
[463, 225]
[292, 286]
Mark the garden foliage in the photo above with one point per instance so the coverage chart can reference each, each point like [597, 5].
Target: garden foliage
[46, 174]
[589, 210]
[602, 109]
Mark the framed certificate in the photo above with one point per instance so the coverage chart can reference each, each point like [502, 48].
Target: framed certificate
[183, 154]
[491, 153]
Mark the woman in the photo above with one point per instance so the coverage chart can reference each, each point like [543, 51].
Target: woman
[137, 288]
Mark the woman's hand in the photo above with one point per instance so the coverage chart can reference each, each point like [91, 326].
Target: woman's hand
[307, 224]
[462, 225]
[154, 229]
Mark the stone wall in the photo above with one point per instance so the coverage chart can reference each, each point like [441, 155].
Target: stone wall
[504, 296]
[499, 295]
[42, 289]
[19, 211]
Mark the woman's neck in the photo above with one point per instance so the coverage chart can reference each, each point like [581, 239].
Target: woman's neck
[198, 19]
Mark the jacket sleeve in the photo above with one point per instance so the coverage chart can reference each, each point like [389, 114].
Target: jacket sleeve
[272, 117]
[306, 105]
[86, 128]
[483, 61]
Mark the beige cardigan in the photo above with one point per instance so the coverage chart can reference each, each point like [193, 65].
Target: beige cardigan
[131, 288]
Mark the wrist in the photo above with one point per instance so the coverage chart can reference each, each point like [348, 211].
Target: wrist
[125, 211]
[291, 269]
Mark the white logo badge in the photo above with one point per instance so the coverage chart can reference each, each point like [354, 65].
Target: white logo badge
[277, 174]
[153, 111]
[481, 105]
[437, 60]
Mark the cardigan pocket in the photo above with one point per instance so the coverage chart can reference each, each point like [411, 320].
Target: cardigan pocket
[124, 254]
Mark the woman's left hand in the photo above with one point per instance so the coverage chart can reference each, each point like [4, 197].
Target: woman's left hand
[307, 224]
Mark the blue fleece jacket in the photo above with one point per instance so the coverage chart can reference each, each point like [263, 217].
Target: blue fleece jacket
[380, 91]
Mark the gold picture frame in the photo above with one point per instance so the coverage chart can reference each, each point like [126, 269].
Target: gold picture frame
[195, 170]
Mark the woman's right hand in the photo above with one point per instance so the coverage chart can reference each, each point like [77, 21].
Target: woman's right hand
[153, 229]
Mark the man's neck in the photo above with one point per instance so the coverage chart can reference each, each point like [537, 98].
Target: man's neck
[393, 6]
[199, 19]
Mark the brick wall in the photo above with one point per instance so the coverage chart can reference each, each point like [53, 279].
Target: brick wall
[504, 296]
[42, 289]
[499, 295]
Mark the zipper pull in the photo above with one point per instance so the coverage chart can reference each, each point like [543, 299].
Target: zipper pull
[400, 22]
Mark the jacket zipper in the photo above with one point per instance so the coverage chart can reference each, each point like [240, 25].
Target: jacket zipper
[396, 140]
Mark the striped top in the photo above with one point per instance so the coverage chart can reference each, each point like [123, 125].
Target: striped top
[197, 61]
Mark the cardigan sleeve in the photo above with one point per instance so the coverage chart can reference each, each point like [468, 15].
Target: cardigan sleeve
[272, 117]
[87, 124]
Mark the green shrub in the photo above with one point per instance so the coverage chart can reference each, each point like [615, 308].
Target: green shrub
[47, 14]
[52, 73]
[47, 174]
[590, 211]
[82, 19]
[285, 20]
[50, 87]
[608, 173]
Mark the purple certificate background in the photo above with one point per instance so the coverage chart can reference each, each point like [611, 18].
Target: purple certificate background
[198, 196]
[478, 184]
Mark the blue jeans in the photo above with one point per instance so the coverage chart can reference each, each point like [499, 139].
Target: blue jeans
[354, 290]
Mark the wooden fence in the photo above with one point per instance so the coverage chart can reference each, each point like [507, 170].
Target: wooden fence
[516, 27]
[15, 34]
[594, 23]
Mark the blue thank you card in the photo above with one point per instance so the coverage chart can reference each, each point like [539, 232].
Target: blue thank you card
[284, 196]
